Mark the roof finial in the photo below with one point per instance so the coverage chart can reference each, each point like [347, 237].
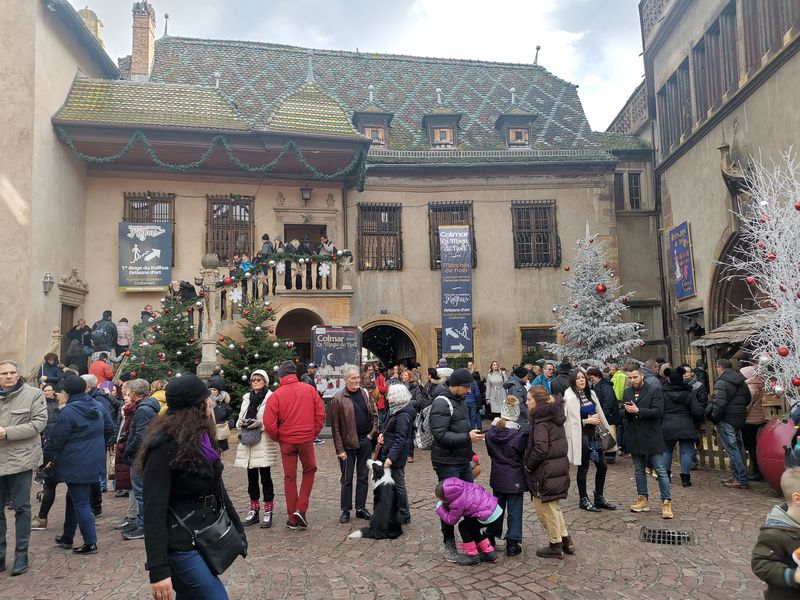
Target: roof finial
[166, 24]
[536, 58]
[217, 75]
[513, 95]
[310, 76]
[439, 96]
[371, 89]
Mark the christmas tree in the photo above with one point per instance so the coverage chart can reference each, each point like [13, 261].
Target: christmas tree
[165, 346]
[767, 259]
[590, 321]
[259, 349]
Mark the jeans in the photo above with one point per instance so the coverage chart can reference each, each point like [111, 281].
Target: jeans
[16, 490]
[583, 470]
[686, 450]
[463, 472]
[399, 476]
[79, 513]
[298, 502]
[512, 507]
[104, 475]
[474, 416]
[133, 509]
[750, 438]
[253, 475]
[192, 579]
[411, 445]
[656, 461]
[356, 461]
[138, 492]
[731, 440]
[621, 445]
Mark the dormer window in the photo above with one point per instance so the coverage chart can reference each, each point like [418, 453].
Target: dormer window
[517, 136]
[376, 133]
[442, 137]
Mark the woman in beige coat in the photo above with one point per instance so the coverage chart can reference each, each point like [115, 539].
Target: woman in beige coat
[259, 456]
[584, 417]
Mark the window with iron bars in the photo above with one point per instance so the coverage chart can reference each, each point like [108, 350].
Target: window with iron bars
[536, 242]
[150, 207]
[229, 226]
[380, 243]
[531, 339]
[449, 213]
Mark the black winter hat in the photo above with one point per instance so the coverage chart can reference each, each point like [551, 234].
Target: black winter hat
[74, 385]
[216, 381]
[287, 368]
[460, 377]
[185, 392]
[521, 372]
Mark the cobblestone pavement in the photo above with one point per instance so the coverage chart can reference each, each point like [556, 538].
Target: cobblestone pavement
[322, 563]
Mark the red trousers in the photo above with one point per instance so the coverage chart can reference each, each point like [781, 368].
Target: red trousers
[289, 455]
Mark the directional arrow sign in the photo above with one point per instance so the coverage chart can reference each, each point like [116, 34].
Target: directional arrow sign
[457, 347]
[156, 253]
[449, 331]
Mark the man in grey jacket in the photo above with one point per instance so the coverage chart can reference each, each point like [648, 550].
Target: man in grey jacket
[23, 417]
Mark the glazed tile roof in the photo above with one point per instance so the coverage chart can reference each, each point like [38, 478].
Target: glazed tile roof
[309, 110]
[149, 105]
[256, 76]
[620, 141]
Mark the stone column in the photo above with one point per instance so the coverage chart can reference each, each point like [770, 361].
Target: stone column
[210, 316]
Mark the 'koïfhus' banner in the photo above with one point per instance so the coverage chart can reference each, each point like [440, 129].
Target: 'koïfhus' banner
[456, 261]
[145, 256]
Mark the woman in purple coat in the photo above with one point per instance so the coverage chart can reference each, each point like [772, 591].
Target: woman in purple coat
[506, 445]
[472, 507]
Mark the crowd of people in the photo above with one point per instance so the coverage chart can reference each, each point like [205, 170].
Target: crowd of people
[168, 439]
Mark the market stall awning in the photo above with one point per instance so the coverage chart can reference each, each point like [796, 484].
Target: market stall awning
[737, 330]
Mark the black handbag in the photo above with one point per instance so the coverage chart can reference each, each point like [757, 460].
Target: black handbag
[220, 543]
[606, 438]
[250, 437]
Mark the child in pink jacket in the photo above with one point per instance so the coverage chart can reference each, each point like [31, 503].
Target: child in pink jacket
[472, 507]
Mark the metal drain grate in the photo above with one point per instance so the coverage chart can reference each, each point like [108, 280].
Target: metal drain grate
[669, 537]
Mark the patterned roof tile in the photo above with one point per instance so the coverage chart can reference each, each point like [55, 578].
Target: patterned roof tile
[309, 110]
[146, 104]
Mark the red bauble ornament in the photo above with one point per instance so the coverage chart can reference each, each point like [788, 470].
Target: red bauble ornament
[580, 343]
[127, 353]
[783, 351]
[797, 205]
[333, 258]
[641, 343]
[760, 245]
[227, 280]
[141, 364]
[591, 241]
[269, 309]
[197, 362]
[764, 218]
[771, 256]
[246, 313]
[605, 265]
[241, 347]
[796, 381]
[169, 373]
[600, 288]
[752, 281]
[574, 306]
[774, 304]
[782, 287]
[221, 339]
[133, 373]
[625, 299]
[202, 293]
[190, 309]
[566, 268]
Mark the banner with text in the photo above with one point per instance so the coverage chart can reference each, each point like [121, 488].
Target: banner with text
[455, 249]
[334, 349]
[682, 263]
[145, 256]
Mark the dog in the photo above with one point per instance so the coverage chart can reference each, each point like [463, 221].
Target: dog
[385, 521]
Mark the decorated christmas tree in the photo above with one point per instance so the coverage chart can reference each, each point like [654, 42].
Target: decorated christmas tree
[164, 346]
[590, 321]
[258, 348]
[767, 259]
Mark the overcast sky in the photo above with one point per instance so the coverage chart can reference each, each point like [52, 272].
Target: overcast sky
[592, 43]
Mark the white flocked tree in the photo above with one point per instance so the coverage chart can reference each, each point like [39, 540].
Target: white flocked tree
[590, 322]
[768, 260]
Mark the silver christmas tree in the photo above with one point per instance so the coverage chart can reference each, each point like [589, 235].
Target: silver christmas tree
[590, 322]
[768, 261]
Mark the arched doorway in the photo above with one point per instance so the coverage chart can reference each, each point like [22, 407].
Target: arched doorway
[296, 325]
[730, 296]
[393, 339]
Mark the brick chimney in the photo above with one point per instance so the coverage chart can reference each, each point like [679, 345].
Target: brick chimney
[144, 40]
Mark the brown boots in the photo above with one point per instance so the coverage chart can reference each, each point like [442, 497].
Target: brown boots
[551, 551]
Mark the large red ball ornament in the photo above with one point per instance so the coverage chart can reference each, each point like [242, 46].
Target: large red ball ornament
[127, 353]
[600, 288]
[796, 381]
[782, 287]
[566, 268]
[764, 218]
[574, 306]
[752, 281]
[227, 280]
[269, 309]
[221, 339]
[783, 351]
[605, 265]
[169, 373]
[190, 309]
[133, 373]
[241, 347]
[771, 256]
[246, 313]
[797, 205]
[760, 245]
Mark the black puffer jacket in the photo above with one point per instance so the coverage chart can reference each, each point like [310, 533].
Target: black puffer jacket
[419, 399]
[546, 465]
[681, 408]
[146, 411]
[608, 400]
[731, 397]
[451, 443]
[560, 382]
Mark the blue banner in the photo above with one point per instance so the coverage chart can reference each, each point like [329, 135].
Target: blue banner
[145, 256]
[456, 260]
[681, 261]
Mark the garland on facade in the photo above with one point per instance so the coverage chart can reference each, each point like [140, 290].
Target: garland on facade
[356, 165]
[259, 264]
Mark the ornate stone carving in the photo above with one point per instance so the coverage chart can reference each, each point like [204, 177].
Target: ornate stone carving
[329, 200]
[73, 282]
[633, 115]
[652, 13]
[280, 200]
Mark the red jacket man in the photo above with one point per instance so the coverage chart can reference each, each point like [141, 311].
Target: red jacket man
[294, 417]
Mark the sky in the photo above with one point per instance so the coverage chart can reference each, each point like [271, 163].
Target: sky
[595, 44]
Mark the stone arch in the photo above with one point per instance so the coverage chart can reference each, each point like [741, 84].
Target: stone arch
[295, 323]
[728, 297]
[403, 325]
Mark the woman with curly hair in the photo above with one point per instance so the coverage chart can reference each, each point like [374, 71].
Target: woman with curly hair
[182, 476]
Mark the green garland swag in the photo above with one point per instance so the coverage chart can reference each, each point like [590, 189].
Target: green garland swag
[357, 164]
[279, 256]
